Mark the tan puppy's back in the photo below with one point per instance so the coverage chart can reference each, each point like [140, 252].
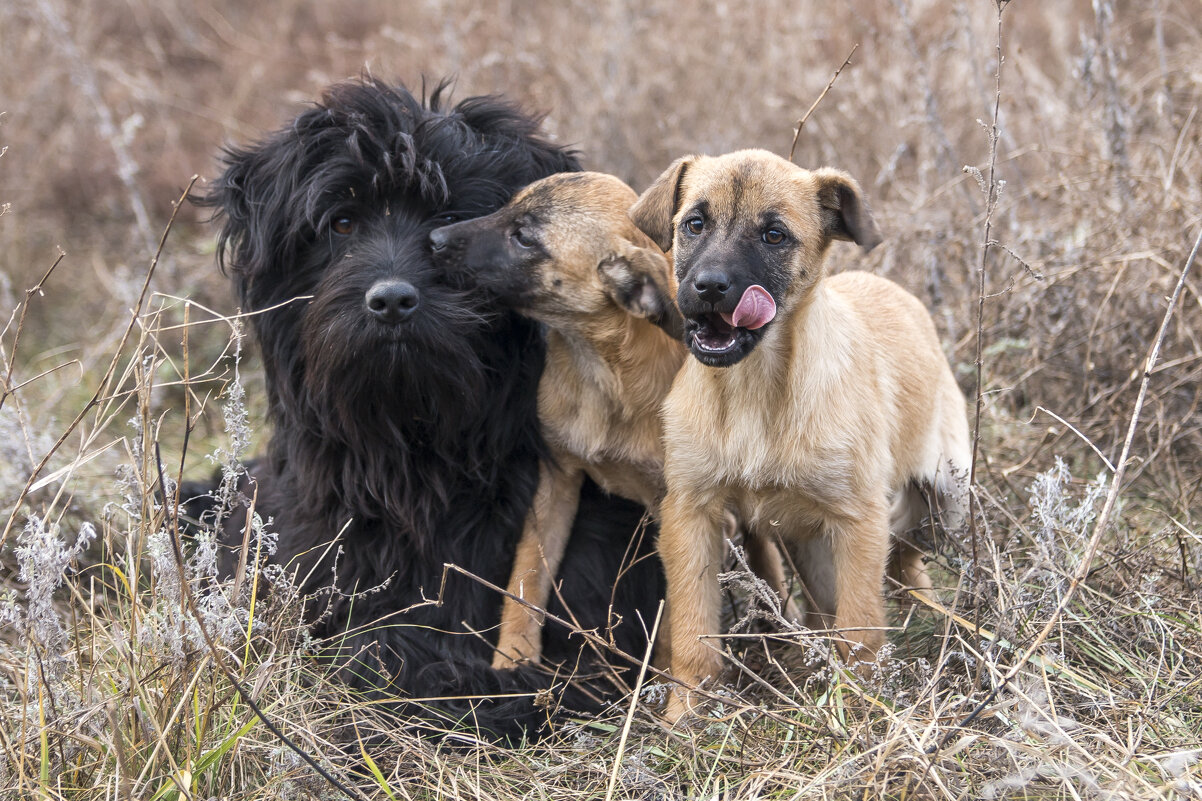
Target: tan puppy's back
[907, 350]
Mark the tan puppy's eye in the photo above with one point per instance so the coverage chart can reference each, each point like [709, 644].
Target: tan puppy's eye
[773, 236]
[523, 239]
[694, 225]
[342, 226]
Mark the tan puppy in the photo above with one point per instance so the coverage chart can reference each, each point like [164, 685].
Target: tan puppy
[815, 406]
[565, 252]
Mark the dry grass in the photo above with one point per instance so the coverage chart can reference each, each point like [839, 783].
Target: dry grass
[107, 689]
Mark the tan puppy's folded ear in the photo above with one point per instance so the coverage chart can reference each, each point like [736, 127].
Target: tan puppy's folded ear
[655, 208]
[845, 215]
[635, 279]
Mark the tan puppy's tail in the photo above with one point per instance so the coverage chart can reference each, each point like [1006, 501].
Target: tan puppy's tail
[955, 465]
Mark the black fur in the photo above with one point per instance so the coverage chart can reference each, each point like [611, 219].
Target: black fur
[412, 431]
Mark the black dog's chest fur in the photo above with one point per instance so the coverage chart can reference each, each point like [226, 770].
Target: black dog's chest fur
[398, 447]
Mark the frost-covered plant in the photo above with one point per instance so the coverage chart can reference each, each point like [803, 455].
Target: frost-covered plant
[237, 428]
[20, 446]
[223, 604]
[43, 560]
[1053, 509]
[166, 593]
[762, 602]
[1060, 522]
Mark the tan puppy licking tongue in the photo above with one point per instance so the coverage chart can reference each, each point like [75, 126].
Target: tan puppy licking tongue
[755, 310]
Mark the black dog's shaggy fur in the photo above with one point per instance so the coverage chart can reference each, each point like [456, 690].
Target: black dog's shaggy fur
[403, 402]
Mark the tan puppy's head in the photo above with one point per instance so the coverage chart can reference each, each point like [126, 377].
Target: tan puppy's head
[748, 232]
[562, 249]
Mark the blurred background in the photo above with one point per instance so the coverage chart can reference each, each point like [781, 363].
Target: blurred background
[108, 107]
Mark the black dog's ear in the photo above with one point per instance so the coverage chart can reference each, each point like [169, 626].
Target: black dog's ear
[250, 199]
[845, 215]
[550, 158]
[229, 204]
[635, 278]
[505, 124]
[655, 208]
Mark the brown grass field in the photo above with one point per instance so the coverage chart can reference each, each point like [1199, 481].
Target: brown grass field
[1045, 214]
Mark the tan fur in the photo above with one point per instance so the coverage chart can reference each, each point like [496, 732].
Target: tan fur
[608, 369]
[821, 432]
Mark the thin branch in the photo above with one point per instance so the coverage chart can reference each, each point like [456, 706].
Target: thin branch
[987, 242]
[36, 289]
[801, 123]
[590, 636]
[1081, 436]
[634, 702]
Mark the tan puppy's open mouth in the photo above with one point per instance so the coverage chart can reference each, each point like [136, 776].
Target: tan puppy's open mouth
[721, 339]
[714, 334]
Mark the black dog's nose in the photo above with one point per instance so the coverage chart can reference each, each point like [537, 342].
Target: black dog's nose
[392, 301]
[711, 285]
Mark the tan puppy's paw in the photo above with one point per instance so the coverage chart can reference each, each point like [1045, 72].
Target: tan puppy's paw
[865, 663]
[502, 661]
[684, 707]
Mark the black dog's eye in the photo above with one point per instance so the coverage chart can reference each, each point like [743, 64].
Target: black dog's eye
[773, 236]
[342, 226]
[694, 225]
[448, 218]
[523, 239]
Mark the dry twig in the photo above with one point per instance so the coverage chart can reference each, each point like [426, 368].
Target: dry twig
[801, 123]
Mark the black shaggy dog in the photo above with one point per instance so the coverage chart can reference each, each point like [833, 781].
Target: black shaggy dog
[403, 404]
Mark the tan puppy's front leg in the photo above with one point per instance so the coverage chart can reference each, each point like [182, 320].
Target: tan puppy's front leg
[539, 552]
[690, 545]
[860, 550]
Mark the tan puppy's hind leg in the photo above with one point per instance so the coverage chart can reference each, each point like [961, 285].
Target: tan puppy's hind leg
[539, 552]
[816, 565]
[905, 563]
[764, 559]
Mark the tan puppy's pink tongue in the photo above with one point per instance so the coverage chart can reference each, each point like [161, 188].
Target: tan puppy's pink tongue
[756, 308]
